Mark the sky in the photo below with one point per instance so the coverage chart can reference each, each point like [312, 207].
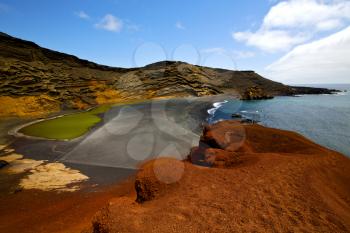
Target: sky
[290, 41]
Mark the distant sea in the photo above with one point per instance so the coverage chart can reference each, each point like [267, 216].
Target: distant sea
[325, 119]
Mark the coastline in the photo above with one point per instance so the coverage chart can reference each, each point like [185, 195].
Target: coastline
[240, 188]
[56, 150]
[172, 146]
[196, 179]
[16, 130]
[101, 178]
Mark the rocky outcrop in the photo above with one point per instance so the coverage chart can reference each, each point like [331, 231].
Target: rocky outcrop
[28, 105]
[213, 157]
[300, 90]
[157, 177]
[255, 93]
[27, 69]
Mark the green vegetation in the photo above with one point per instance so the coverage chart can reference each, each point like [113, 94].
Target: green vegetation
[66, 127]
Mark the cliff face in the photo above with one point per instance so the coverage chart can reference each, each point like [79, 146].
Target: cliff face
[26, 69]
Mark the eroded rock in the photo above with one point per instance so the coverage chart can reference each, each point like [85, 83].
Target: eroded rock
[213, 157]
[11, 157]
[156, 177]
[255, 93]
[22, 165]
[28, 70]
[53, 177]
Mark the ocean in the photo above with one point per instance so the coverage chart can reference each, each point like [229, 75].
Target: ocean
[325, 119]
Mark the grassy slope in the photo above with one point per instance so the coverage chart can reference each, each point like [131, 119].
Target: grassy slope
[66, 127]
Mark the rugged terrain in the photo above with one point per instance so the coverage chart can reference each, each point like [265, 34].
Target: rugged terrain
[241, 178]
[36, 81]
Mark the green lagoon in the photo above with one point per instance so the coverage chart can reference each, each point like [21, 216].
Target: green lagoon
[66, 127]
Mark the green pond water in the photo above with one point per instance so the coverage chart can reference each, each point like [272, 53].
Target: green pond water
[66, 127]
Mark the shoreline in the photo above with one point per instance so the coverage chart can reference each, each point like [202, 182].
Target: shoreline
[196, 179]
[16, 130]
[103, 177]
[124, 196]
[68, 153]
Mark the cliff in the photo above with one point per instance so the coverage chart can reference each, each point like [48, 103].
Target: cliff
[61, 81]
[241, 178]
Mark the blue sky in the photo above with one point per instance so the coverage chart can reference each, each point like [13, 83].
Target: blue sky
[269, 36]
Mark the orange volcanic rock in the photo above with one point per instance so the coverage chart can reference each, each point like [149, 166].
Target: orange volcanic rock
[157, 177]
[234, 136]
[273, 181]
[212, 157]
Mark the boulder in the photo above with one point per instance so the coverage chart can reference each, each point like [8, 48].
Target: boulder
[157, 177]
[234, 136]
[221, 158]
[225, 135]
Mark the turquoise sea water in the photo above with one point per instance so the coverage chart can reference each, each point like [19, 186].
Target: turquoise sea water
[324, 119]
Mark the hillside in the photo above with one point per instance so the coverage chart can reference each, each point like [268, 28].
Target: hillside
[36, 81]
[241, 178]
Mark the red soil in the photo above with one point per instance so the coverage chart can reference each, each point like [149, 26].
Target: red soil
[254, 179]
[261, 180]
[44, 212]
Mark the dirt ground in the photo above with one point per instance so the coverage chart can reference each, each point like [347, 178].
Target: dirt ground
[282, 183]
[278, 181]
[32, 211]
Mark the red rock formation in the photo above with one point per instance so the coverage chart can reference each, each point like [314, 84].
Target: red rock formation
[156, 178]
[272, 181]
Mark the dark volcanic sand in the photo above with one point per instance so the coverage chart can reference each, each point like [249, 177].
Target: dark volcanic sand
[103, 149]
[37, 211]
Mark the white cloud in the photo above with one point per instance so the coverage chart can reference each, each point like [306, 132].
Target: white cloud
[180, 26]
[110, 23]
[323, 61]
[329, 25]
[306, 13]
[82, 15]
[293, 22]
[270, 40]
